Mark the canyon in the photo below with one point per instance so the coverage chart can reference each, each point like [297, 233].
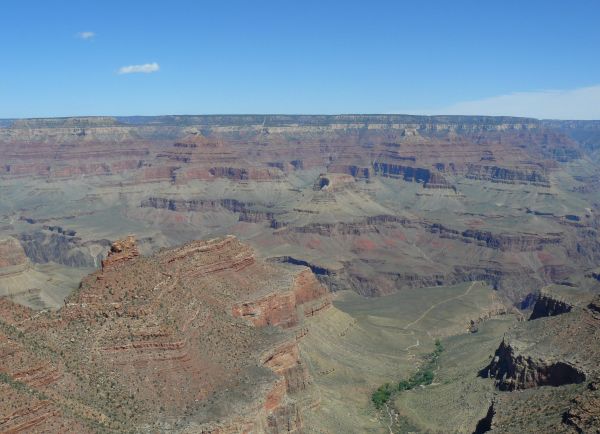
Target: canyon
[257, 273]
[409, 200]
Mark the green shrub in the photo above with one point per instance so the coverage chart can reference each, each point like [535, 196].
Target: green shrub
[423, 377]
[381, 395]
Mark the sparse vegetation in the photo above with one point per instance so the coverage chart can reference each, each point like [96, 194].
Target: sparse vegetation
[423, 377]
[382, 395]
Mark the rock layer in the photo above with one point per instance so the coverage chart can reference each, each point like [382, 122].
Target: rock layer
[151, 342]
[559, 348]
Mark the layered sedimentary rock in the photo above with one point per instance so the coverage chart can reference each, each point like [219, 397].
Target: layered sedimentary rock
[55, 244]
[121, 251]
[159, 343]
[380, 202]
[12, 257]
[558, 347]
[549, 306]
[514, 370]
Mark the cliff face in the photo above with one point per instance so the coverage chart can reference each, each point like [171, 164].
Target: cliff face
[380, 203]
[557, 348]
[286, 309]
[54, 244]
[152, 342]
[547, 306]
[121, 251]
[514, 371]
[12, 256]
[518, 175]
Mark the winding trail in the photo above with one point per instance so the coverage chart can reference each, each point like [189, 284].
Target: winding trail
[412, 346]
[433, 306]
[424, 314]
[389, 427]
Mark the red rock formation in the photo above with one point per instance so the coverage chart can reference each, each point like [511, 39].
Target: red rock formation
[151, 340]
[281, 309]
[120, 252]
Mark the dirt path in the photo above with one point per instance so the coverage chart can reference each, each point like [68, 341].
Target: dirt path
[389, 427]
[418, 343]
[412, 346]
[408, 349]
[424, 314]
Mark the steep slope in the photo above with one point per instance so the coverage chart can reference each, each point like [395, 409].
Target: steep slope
[200, 338]
[547, 370]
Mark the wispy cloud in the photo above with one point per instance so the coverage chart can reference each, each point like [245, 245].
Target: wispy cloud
[580, 103]
[86, 35]
[146, 68]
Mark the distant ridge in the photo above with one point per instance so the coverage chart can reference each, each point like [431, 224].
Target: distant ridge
[270, 120]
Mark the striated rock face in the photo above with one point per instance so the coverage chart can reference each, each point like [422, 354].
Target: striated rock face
[277, 310]
[373, 203]
[161, 343]
[557, 300]
[121, 251]
[408, 200]
[411, 174]
[306, 297]
[12, 256]
[514, 371]
[243, 209]
[507, 242]
[547, 306]
[524, 175]
[560, 349]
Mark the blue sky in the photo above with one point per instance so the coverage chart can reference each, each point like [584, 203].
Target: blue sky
[530, 58]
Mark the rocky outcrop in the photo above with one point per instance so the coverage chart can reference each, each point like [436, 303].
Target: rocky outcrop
[546, 306]
[121, 251]
[245, 211]
[558, 349]
[285, 361]
[507, 175]
[165, 326]
[512, 370]
[502, 241]
[306, 296]
[275, 309]
[411, 174]
[63, 247]
[12, 257]
[485, 424]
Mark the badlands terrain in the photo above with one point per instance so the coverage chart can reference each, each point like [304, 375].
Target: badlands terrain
[227, 274]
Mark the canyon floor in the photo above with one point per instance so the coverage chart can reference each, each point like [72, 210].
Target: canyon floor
[362, 344]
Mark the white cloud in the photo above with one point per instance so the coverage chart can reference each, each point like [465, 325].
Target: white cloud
[86, 35]
[146, 68]
[580, 103]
